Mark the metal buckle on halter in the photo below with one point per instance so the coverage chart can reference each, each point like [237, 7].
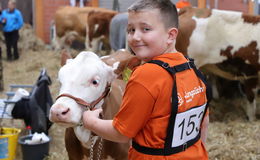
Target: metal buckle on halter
[184, 147]
[165, 65]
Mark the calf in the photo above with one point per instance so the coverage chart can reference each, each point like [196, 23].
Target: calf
[85, 83]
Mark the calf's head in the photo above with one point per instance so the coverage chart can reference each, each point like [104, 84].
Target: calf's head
[85, 79]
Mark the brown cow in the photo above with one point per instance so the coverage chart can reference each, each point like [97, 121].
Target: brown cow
[88, 25]
[229, 41]
[85, 79]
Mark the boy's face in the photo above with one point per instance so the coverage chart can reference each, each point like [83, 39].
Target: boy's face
[147, 35]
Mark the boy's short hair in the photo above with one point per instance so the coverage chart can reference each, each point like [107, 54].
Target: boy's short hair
[168, 11]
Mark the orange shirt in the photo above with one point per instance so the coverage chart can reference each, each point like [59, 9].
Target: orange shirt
[182, 4]
[146, 107]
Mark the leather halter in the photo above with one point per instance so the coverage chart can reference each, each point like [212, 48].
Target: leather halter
[84, 103]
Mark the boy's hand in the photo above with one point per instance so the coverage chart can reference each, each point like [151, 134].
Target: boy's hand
[101, 127]
[89, 117]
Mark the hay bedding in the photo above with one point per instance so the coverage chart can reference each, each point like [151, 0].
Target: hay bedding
[230, 136]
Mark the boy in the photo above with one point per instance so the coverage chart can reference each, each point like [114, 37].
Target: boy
[147, 114]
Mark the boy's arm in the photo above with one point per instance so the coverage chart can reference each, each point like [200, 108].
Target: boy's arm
[103, 128]
[204, 128]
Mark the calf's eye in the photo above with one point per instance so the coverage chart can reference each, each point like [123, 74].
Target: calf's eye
[95, 82]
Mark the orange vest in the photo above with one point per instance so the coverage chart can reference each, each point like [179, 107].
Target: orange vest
[146, 107]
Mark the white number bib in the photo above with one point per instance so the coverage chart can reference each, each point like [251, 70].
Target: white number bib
[187, 125]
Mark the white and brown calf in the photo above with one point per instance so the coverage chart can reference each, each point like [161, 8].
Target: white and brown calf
[85, 83]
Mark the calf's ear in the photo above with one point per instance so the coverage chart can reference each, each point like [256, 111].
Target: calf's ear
[65, 57]
[120, 60]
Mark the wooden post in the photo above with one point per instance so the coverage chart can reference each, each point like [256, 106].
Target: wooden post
[38, 19]
[251, 6]
[202, 3]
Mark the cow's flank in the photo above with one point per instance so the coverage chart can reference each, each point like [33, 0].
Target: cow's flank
[219, 31]
[223, 37]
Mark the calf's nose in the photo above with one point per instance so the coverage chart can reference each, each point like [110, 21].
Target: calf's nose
[59, 113]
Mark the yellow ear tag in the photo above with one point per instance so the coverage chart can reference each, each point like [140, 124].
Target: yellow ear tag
[126, 74]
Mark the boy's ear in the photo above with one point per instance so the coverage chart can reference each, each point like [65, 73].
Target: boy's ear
[172, 35]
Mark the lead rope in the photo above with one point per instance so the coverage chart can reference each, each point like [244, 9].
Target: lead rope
[100, 147]
[91, 147]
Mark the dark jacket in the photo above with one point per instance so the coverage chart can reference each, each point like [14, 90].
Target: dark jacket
[34, 109]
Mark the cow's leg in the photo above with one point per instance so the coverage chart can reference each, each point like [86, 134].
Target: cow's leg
[96, 44]
[56, 43]
[87, 40]
[250, 109]
[250, 105]
[53, 35]
[214, 85]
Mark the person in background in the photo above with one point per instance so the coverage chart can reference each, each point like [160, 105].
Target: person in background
[183, 3]
[12, 21]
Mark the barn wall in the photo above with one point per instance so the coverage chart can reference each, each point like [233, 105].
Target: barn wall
[49, 8]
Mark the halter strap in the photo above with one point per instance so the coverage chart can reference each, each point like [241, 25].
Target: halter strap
[84, 103]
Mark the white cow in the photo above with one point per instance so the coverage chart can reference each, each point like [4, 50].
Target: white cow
[225, 43]
[85, 83]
